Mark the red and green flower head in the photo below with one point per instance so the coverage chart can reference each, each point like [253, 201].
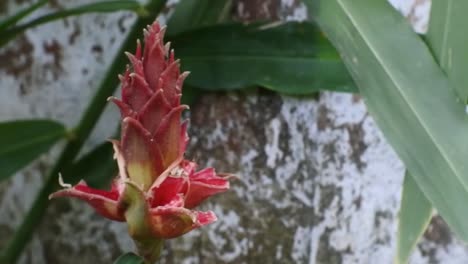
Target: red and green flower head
[156, 188]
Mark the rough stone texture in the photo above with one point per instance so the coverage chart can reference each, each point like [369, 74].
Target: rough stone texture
[317, 181]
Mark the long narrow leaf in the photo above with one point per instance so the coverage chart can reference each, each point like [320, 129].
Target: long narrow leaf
[190, 14]
[447, 37]
[12, 20]
[415, 215]
[23, 141]
[293, 58]
[99, 7]
[408, 95]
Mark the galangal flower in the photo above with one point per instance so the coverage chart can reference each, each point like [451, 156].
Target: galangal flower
[156, 188]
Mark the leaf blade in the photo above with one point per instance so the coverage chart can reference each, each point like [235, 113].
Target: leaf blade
[233, 56]
[99, 7]
[447, 39]
[409, 97]
[414, 217]
[23, 141]
[12, 20]
[190, 14]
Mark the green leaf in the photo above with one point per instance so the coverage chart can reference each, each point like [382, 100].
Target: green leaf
[190, 95]
[96, 167]
[129, 258]
[408, 95]
[292, 58]
[415, 215]
[12, 20]
[190, 14]
[23, 141]
[100, 7]
[447, 38]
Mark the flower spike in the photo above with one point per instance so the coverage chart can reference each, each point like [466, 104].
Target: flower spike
[156, 189]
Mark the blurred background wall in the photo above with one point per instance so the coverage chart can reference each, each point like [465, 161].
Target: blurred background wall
[317, 181]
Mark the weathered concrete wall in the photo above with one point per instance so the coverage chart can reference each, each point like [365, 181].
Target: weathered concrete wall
[318, 182]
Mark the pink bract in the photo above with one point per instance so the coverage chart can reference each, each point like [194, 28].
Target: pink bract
[156, 188]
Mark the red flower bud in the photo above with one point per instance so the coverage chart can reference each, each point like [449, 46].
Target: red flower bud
[156, 188]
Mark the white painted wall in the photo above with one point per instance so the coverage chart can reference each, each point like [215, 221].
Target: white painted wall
[319, 183]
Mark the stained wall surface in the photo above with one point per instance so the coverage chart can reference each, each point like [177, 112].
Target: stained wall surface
[318, 182]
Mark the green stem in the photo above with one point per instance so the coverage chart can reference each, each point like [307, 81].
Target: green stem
[150, 250]
[139, 225]
[107, 87]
